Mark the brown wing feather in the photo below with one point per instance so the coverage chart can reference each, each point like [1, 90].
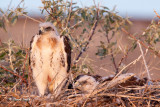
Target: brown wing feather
[30, 50]
[68, 51]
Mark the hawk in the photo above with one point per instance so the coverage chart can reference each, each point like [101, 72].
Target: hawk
[50, 58]
[85, 83]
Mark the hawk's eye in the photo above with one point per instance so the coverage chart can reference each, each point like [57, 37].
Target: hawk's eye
[83, 82]
[48, 29]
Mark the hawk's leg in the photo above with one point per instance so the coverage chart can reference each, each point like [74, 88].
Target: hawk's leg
[59, 85]
[41, 87]
[41, 83]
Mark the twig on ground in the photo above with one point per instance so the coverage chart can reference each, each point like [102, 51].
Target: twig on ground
[145, 64]
[128, 96]
[29, 78]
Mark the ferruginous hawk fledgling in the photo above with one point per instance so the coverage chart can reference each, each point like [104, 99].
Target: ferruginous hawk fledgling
[50, 57]
[86, 83]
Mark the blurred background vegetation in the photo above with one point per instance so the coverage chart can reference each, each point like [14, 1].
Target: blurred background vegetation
[96, 33]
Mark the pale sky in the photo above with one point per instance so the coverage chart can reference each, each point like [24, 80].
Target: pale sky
[131, 8]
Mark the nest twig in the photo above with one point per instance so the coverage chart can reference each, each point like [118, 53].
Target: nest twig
[126, 91]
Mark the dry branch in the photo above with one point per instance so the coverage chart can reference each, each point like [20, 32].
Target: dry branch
[24, 64]
[145, 64]
[91, 33]
[120, 79]
[128, 96]
[0, 42]
[98, 98]
[156, 14]
[35, 20]
[147, 47]
[112, 56]
[120, 72]
[13, 74]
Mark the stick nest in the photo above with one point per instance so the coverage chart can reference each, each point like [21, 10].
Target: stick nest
[125, 90]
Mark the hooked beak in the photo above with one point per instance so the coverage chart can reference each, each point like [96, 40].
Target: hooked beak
[76, 85]
[41, 30]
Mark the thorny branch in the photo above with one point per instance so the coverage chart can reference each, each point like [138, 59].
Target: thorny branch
[156, 14]
[70, 11]
[58, 22]
[35, 20]
[145, 64]
[24, 64]
[53, 17]
[125, 55]
[13, 74]
[120, 62]
[0, 42]
[112, 56]
[133, 62]
[9, 54]
[157, 54]
[91, 33]
[49, 13]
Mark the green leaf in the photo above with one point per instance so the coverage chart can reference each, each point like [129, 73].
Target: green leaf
[10, 14]
[134, 46]
[19, 9]
[105, 7]
[111, 19]
[25, 12]
[14, 20]
[100, 30]
[111, 44]
[101, 52]
[1, 11]
[84, 30]
[83, 14]
[2, 25]
[2, 55]
[19, 52]
[156, 40]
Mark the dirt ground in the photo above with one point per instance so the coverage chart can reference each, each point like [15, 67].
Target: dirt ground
[24, 29]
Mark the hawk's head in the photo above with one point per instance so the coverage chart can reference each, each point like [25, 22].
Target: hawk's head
[47, 27]
[86, 83]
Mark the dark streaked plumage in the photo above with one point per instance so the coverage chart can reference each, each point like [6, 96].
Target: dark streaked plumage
[68, 51]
